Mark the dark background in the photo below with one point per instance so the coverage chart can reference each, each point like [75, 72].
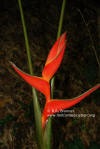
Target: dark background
[79, 71]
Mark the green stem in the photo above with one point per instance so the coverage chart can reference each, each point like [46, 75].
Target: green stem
[58, 35]
[26, 38]
[37, 111]
[61, 18]
[47, 132]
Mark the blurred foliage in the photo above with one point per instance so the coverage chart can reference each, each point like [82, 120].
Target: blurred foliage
[7, 119]
[75, 144]
[97, 97]
[94, 146]
[90, 69]
[78, 72]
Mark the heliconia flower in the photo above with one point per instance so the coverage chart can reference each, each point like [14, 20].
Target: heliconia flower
[54, 58]
[42, 83]
[53, 106]
[53, 61]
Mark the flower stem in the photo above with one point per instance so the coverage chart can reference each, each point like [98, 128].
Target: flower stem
[58, 35]
[61, 18]
[48, 130]
[37, 111]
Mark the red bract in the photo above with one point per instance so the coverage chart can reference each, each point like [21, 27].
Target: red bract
[42, 83]
[53, 61]
[38, 82]
[54, 58]
[53, 106]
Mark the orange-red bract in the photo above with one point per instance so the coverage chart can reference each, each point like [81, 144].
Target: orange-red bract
[38, 82]
[55, 105]
[42, 83]
[54, 58]
[53, 61]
